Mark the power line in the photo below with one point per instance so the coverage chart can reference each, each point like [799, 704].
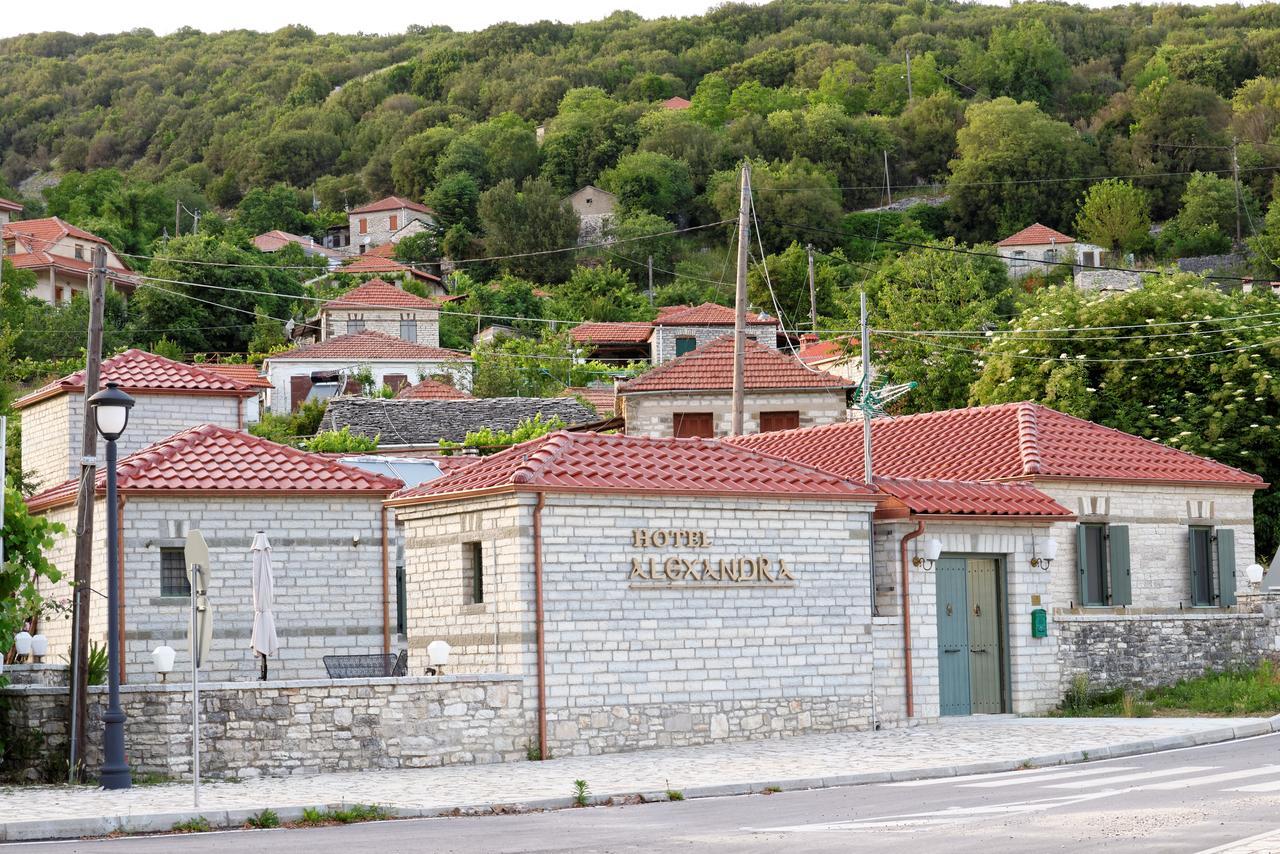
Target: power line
[1063, 357]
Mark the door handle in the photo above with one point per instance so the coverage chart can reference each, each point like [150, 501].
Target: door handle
[977, 610]
[949, 610]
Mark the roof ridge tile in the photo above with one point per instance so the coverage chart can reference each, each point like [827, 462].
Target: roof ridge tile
[1029, 438]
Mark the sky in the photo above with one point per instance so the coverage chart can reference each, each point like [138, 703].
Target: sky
[96, 16]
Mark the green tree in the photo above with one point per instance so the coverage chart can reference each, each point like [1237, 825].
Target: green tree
[789, 276]
[279, 207]
[420, 248]
[710, 102]
[889, 83]
[501, 301]
[532, 219]
[648, 181]
[1114, 215]
[340, 442]
[598, 293]
[1025, 62]
[796, 202]
[455, 198]
[27, 539]
[1178, 128]
[531, 367]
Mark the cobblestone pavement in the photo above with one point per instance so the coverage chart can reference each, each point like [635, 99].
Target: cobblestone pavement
[952, 746]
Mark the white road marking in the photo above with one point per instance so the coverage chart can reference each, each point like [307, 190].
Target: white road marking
[1170, 785]
[1248, 845]
[1132, 778]
[1273, 786]
[1019, 778]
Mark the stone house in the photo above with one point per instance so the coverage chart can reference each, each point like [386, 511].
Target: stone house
[1152, 561]
[61, 256]
[692, 395]
[839, 356]
[595, 209]
[249, 375]
[328, 368]
[381, 307]
[391, 270]
[7, 210]
[677, 331]
[619, 342]
[383, 221]
[228, 484]
[1038, 249]
[171, 397]
[275, 240]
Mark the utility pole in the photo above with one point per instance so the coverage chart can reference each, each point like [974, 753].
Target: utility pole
[1235, 172]
[888, 188]
[864, 332]
[909, 95]
[740, 300]
[84, 522]
[177, 218]
[195, 229]
[650, 280]
[813, 293]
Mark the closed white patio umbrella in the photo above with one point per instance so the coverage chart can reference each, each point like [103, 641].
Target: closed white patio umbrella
[263, 641]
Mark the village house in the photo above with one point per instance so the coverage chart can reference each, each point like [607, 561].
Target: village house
[595, 209]
[382, 307]
[316, 512]
[172, 397]
[429, 389]
[387, 220]
[692, 395]
[275, 240]
[676, 330]
[677, 103]
[1038, 249]
[389, 269]
[61, 256]
[839, 356]
[249, 375]
[330, 367]
[1152, 561]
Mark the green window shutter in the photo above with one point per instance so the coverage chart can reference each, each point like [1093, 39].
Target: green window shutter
[1193, 563]
[1118, 562]
[1081, 564]
[1226, 566]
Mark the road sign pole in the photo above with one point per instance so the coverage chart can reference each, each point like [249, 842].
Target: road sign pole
[195, 687]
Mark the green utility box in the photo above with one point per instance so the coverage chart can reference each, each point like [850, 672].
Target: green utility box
[1039, 623]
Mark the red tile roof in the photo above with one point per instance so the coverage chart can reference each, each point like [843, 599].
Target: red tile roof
[612, 333]
[40, 235]
[430, 389]
[370, 344]
[140, 372]
[209, 459]
[823, 351]
[275, 240]
[375, 264]
[677, 103]
[965, 498]
[376, 293]
[711, 367]
[392, 203]
[707, 314]
[247, 374]
[591, 462]
[386, 250]
[6, 205]
[1036, 235]
[1011, 441]
[49, 230]
[604, 399]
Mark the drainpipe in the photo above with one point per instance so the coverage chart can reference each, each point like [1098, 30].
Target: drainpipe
[906, 616]
[537, 595]
[386, 589]
[239, 413]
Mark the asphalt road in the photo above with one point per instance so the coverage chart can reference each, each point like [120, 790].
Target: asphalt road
[1189, 800]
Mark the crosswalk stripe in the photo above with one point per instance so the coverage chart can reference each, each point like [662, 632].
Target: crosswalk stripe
[1131, 778]
[1169, 785]
[1019, 778]
[1271, 786]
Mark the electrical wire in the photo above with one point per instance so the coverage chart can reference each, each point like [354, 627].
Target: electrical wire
[1063, 357]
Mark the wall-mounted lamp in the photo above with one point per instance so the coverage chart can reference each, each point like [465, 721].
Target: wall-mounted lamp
[1255, 572]
[163, 657]
[932, 551]
[1044, 552]
[438, 656]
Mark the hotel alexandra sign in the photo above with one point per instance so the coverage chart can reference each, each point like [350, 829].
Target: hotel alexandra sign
[684, 557]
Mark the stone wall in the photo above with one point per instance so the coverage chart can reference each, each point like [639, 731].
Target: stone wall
[663, 343]
[651, 413]
[280, 371]
[1147, 650]
[48, 436]
[1105, 279]
[279, 728]
[334, 323]
[378, 228]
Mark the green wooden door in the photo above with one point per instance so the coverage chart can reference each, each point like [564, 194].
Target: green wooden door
[953, 635]
[984, 637]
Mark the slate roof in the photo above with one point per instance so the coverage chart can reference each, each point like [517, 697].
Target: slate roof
[376, 293]
[710, 367]
[138, 371]
[1036, 235]
[1010, 441]
[391, 203]
[426, 422]
[430, 389]
[590, 462]
[209, 459]
[369, 344]
[707, 314]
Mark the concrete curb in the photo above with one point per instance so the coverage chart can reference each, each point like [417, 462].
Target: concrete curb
[221, 819]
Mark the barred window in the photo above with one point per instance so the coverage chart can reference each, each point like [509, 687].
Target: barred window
[173, 573]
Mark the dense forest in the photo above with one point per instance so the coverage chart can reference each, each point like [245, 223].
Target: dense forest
[1126, 126]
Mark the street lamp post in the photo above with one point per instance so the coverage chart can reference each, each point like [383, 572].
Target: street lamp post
[111, 415]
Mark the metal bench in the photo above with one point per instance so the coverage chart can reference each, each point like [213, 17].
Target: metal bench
[366, 665]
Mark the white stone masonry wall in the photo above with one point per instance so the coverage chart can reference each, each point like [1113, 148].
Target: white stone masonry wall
[651, 413]
[663, 343]
[386, 321]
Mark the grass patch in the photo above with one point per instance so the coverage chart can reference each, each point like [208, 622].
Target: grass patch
[199, 824]
[675, 795]
[263, 820]
[1244, 691]
[357, 813]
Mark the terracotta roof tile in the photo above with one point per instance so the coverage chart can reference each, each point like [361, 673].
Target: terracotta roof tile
[209, 458]
[138, 371]
[430, 389]
[843, 349]
[7, 205]
[275, 240]
[677, 103]
[1010, 441]
[370, 344]
[596, 461]
[247, 374]
[707, 314]
[48, 230]
[375, 264]
[376, 293]
[966, 498]
[612, 333]
[392, 203]
[603, 399]
[1036, 235]
[711, 367]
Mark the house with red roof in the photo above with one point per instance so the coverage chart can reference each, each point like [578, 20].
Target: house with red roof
[390, 270]
[275, 240]
[380, 306]
[7, 210]
[171, 397]
[1140, 581]
[61, 256]
[692, 395]
[839, 356]
[429, 389]
[335, 365]
[677, 103]
[676, 330]
[387, 220]
[318, 514]
[1038, 249]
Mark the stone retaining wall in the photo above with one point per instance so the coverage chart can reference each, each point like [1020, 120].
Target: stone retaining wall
[280, 728]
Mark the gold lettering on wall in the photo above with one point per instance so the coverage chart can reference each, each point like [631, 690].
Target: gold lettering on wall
[690, 570]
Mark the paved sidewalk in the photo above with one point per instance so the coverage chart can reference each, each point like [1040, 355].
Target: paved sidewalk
[954, 746]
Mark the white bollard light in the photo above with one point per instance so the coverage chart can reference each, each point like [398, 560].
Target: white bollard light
[39, 646]
[22, 643]
[163, 657]
[438, 654]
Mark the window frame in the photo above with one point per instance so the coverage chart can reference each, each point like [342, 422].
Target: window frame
[1103, 571]
[355, 323]
[167, 573]
[689, 342]
[364, 225]
[678, 418]
[394, 222]
[473, 572]
[1019, 258]
[409, 322]
[793, 419]
[1210, 572]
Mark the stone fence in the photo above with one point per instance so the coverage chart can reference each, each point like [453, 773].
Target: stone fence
[278, 728]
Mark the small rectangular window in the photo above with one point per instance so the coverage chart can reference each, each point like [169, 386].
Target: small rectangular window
[1019, 262]
[364, 226]
[395, 222]
[1093, 565]
[685, 344]
[173, 572]
[473, 556]
[79, 252]
[691, 425]
[409, 329]
[355, 323]
[1203, 588]
[771, 421]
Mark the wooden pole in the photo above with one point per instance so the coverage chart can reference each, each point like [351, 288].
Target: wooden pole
[740, 300]
[813, 293]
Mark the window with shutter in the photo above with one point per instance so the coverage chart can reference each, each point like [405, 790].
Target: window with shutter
[686, 344]
[1118, 563]
[690, 425]
[1225, 546]
[1091, 564]
[395, 222]
[409, 329]
[299, 388]
[1200, 546]
[771, 421]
